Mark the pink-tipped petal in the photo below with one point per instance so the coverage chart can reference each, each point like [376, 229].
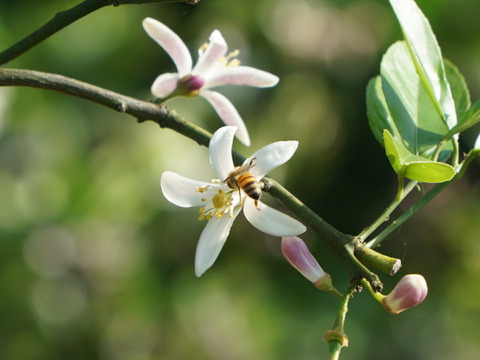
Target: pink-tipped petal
[181, 191]
[165, 84]
[299, 256]
[210, 58]
[410, 291]
[171, 43]
[220, 150]
[241, 75]
[271, 156]
[271, 221]
[227, 112]
[211, 241]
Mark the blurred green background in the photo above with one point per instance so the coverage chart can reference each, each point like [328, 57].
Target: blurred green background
[96, 264]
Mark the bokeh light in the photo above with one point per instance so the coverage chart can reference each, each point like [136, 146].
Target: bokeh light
[96, 264]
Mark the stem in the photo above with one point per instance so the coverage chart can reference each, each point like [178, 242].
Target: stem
[439, 147]
[376, 260]
[342, 244]
[336, 337]
[141, 110]
[377, 296]
[401, 194]
[62, 20]
[424, 200]
[407, 214]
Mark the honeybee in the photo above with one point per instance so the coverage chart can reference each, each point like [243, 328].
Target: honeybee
[240, 178]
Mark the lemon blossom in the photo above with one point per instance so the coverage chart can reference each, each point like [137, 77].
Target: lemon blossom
[213, 68]
[220, 204]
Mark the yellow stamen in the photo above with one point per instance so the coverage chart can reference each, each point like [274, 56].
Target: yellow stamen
[219, 204]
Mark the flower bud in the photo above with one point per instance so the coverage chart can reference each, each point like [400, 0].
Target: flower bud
[297, 254]
[410, 291]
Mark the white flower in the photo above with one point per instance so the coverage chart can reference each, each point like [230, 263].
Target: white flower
[214, 68]
[220, 204]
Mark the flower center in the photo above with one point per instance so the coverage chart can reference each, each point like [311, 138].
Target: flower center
[190, 85]
[217, 203]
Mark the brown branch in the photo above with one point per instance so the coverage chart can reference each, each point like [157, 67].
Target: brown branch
[342, 244]
[62, 20]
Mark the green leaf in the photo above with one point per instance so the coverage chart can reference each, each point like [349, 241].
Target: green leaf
[458, 86]
[470, 118]
[393, 150]
[412, 166]
[413, 116]
[426, 56]
[429, 171]
[379, 117]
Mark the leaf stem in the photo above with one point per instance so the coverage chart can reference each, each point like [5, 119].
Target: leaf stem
[407, 214]
[461, 169]
[400, 196]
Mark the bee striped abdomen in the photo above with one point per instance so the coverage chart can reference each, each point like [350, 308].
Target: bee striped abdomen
[248, 183]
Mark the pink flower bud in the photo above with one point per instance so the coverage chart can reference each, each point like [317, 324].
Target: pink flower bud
[298, 255]
[410, 291]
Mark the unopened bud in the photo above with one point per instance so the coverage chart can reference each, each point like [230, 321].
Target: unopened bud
[298, 255]
[410, 291]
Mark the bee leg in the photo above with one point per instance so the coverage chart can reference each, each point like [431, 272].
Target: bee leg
[255, 202]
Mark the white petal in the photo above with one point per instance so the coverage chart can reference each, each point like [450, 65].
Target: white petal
[241, 75]
[220, 150]
[171, 43]
[227, 112]
[211, 241]
[271, 156]
[271, 221]
[181, 191]
[165, 84]
[210, 58]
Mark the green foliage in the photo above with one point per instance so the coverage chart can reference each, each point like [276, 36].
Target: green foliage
[412, 166]
[458, 86]
[427, 57]
[412, 116]
[470, 118]
[414, 104]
